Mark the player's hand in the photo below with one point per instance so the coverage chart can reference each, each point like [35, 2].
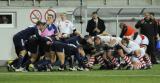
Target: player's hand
[112, 42]
[57, 37]
[77, 33]
[64, 35]
[97, 30]
[48, 42]
[157, 37]
[120, 44]
[90, 41]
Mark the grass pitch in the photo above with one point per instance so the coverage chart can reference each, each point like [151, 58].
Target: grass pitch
[93, 76]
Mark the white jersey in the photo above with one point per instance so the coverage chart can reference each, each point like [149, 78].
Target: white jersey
[66, 27]
[138, 40]
[141, 39]
[108, 39]
[131, 47]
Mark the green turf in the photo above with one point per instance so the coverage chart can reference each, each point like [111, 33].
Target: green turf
[95, 76]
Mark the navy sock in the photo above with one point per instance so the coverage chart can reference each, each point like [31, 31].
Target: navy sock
[83, 61]
[26, 64]
[62, 66]
[42, 64]
[71, 61]
[14, 63]
[19, 62]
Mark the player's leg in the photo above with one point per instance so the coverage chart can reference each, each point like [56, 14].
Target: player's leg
[124, 56]
[20, 51]
[136, 63]
[79, 55]
[147, 59]
[32, 47]
[61, 57]
[58, 47]
[114, 61]
[53, 57]
[139, 54]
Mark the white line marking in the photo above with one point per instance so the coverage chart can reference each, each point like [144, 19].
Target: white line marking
[70, 74]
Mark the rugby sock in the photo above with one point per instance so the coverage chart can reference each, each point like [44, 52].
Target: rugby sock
[114, 61]
[82, 60]
[90, 61]
[62, 66]
[26, 58]
[14, 63]
[19, 62]
[100, 60]
[42, 64]
[147, 60]
[26, 64]
[142, 61]
[139, 66]
[71, 61]
[127, 59]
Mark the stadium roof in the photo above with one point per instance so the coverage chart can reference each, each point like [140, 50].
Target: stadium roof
[114, 11]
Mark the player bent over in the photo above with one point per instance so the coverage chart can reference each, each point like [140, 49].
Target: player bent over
[19, 41]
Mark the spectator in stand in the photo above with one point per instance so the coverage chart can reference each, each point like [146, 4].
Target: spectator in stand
[96, 25]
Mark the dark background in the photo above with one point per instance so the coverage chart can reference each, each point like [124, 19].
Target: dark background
[5, 19]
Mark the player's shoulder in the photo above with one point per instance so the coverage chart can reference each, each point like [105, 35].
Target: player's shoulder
[32, 26]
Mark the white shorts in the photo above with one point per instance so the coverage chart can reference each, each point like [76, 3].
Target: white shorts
[134, 59]
[142, 53]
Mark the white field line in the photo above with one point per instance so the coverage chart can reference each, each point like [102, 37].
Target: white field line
[67, 74]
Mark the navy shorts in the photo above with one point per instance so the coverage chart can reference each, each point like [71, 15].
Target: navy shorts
[19, 44]
[58, 46]
[32, 45]
[62, 47]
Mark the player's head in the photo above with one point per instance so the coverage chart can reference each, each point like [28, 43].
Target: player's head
[125, 41]
[50, 18]
[152, 15]
[94, 15]
[63, 16]
[97, 40]
[147, 16]
[88, 39]
[122, 25]
[41, 25]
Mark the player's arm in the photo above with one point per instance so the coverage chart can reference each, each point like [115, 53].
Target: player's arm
[124, 30]
[138, 24]
[128, 50]
[102, 27]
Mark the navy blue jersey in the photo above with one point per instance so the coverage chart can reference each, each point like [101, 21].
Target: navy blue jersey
[27, 33]
[73, 40]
